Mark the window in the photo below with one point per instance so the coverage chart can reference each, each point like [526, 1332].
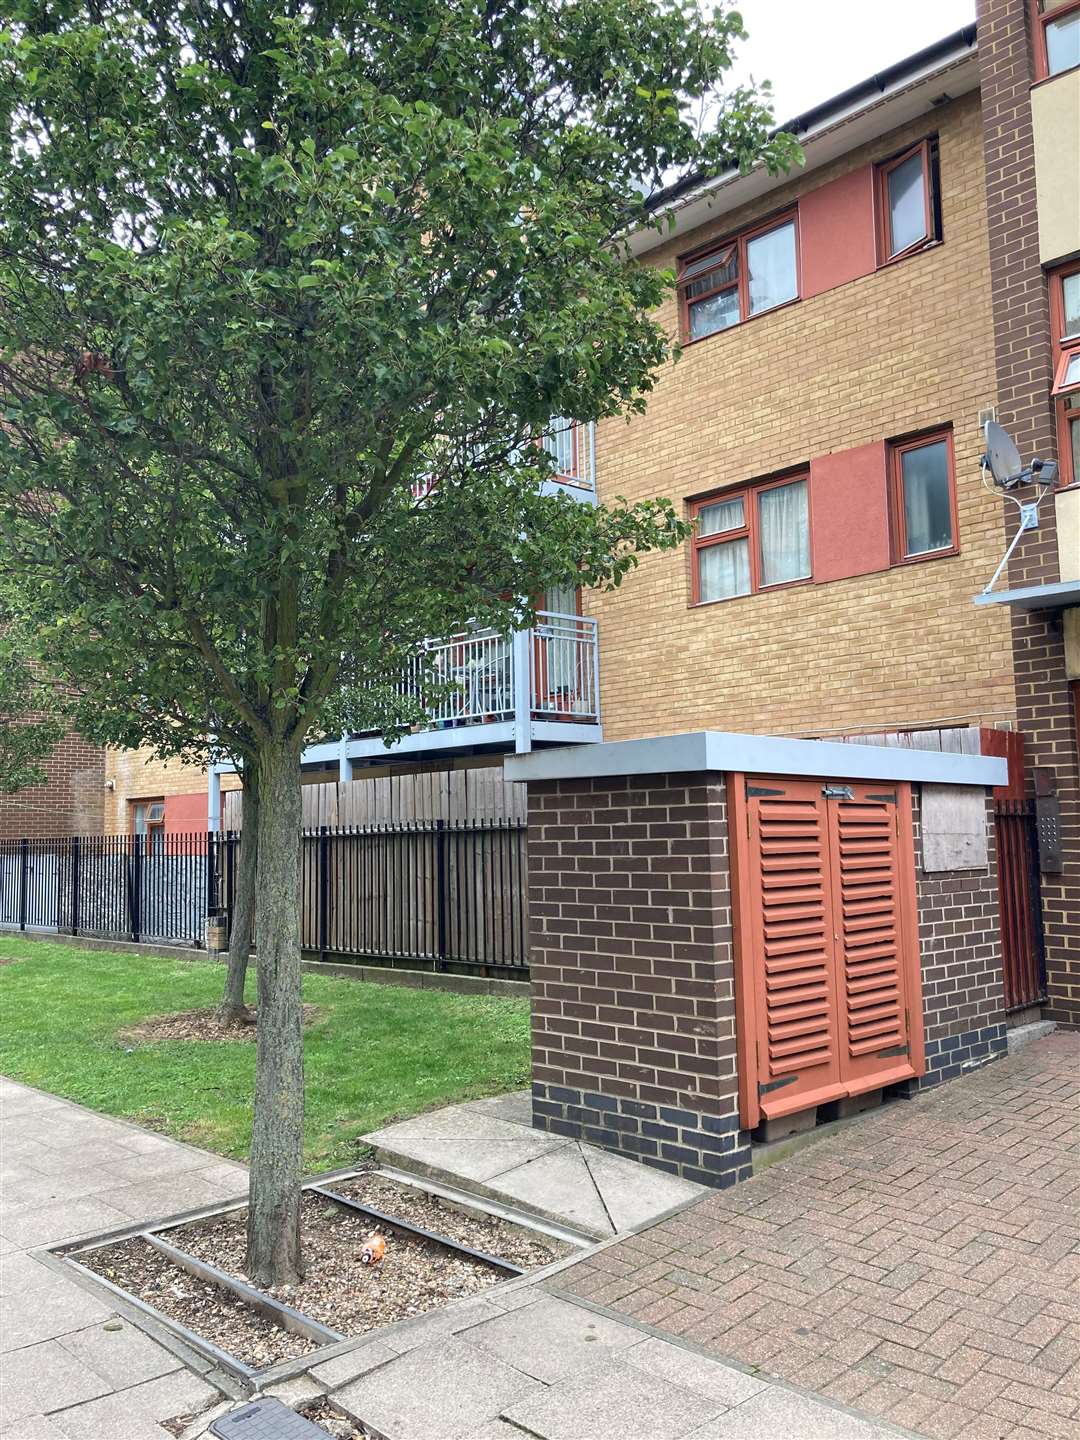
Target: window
[148, 820]
[755, 272]
[907, 201]
[923, 496]
[1056, 36]
[1065, 325]
[754, 539]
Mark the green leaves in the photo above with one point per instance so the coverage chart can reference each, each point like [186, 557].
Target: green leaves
[285, 300]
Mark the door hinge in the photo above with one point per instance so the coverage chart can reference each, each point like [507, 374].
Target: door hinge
[838, 792]
[760, 790]
[896, 1050]
[776, 1084]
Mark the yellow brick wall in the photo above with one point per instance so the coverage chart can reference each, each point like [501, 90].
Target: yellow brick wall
[138, 775]
[908, 347]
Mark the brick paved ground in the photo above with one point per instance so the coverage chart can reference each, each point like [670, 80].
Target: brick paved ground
[923, 1266]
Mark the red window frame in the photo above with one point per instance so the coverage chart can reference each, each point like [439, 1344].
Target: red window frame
[882, 171]
[750, 531]
[897, 449]
[723, 251]
[1039, 22]
[1066, 397]
[155, 829]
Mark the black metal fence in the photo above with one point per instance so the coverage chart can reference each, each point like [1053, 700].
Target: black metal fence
[451, 895]
[439, 894]
[121, 887]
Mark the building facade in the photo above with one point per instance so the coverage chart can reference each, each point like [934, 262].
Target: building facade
[846, 331]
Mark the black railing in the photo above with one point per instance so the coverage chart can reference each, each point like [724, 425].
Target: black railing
[439, 894]
[121, 887]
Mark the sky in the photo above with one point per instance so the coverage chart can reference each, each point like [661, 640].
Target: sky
[813, 49]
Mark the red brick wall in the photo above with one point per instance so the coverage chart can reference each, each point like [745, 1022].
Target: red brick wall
[70, 802]
[633, 973]
[1023, 362]
[960, 941]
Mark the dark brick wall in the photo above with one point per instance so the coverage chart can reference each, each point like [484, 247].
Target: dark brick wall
[634, 1044]
[632, 971]
[960, 943]
[70, 802]
[1024, 363]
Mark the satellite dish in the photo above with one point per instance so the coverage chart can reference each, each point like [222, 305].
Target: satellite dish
[1002, 456]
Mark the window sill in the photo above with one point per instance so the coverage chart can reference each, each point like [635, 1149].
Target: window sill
[910, 254]
[1041, 80]
[942, 554]
[751, 594]
[733, 330]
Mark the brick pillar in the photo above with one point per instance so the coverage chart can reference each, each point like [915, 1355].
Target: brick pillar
[1023, 362]
[632, 971]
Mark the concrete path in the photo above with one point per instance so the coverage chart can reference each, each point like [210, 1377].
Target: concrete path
[923, 1264]
[68, 1366]
[490, 1147]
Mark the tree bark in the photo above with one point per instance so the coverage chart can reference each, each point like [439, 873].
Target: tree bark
[277, 1140]
[232, 1007]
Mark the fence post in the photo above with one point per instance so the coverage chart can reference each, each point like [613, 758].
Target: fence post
[24, 880]
[135, 887]
[323, 928]
[213, 896]
[440, 873]
[76, 882]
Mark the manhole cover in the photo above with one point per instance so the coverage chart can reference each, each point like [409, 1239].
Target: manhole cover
[266, 1419]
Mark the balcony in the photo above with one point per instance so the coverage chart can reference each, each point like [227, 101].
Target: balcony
[573, 446]
[492, 694]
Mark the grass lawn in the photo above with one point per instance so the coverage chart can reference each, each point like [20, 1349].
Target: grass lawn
[375, 1052]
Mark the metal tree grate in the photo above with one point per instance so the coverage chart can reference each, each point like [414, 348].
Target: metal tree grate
[266, 1419]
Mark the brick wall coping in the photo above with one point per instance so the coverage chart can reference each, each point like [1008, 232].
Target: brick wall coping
[754, 755]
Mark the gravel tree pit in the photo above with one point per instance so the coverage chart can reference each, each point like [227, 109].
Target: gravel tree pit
[418, 1273]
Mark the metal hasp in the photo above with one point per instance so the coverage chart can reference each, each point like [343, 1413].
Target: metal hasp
[265, 1419]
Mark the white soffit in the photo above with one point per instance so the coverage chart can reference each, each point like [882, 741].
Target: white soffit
[845, 130]
[721, 752]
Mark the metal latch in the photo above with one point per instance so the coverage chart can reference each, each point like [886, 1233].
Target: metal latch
[896, 1050]
[838, 792]
[761, 790]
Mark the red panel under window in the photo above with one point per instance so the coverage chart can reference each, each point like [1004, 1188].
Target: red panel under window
[849, 513]
[185, 813]
[836, 231]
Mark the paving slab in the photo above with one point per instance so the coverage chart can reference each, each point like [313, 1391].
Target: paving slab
[34, 1427]
[553, 1339]
[558, 1184]
[634, 1194]
[516, 1106]
[705, 1377]
[33, 1225]
[779, 1412]
[111, 1418]
[444, 1391]
[440, 1324]
[123, 1356]
[613, 1400]
[354, 1363]
[45, 1311]
[39, 1378]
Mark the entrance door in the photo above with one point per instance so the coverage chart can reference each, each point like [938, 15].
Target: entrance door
[828, 958]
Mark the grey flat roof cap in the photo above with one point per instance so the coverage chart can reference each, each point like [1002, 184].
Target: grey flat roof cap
[755, 755]
[1036, 597]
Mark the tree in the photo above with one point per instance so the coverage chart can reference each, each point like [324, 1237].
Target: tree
[30, 714]
[287, 293]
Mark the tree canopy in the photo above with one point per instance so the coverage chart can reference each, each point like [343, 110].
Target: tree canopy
[287, 293]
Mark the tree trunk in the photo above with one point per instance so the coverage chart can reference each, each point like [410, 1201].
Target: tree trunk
[277, 1140]
[232, 1007]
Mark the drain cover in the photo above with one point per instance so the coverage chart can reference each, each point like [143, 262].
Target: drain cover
[266, 1419]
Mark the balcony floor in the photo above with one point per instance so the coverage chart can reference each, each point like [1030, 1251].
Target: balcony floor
[494, 737]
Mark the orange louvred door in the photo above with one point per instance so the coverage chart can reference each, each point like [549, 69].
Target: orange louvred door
[873, 943]
[796, 1040]
[828, 993]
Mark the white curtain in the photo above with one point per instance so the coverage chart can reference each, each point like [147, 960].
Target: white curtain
[927, 512]
[724, 570]
[770, 260]
[785, 534]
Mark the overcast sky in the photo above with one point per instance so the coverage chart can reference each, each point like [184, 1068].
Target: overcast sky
[812, 51]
